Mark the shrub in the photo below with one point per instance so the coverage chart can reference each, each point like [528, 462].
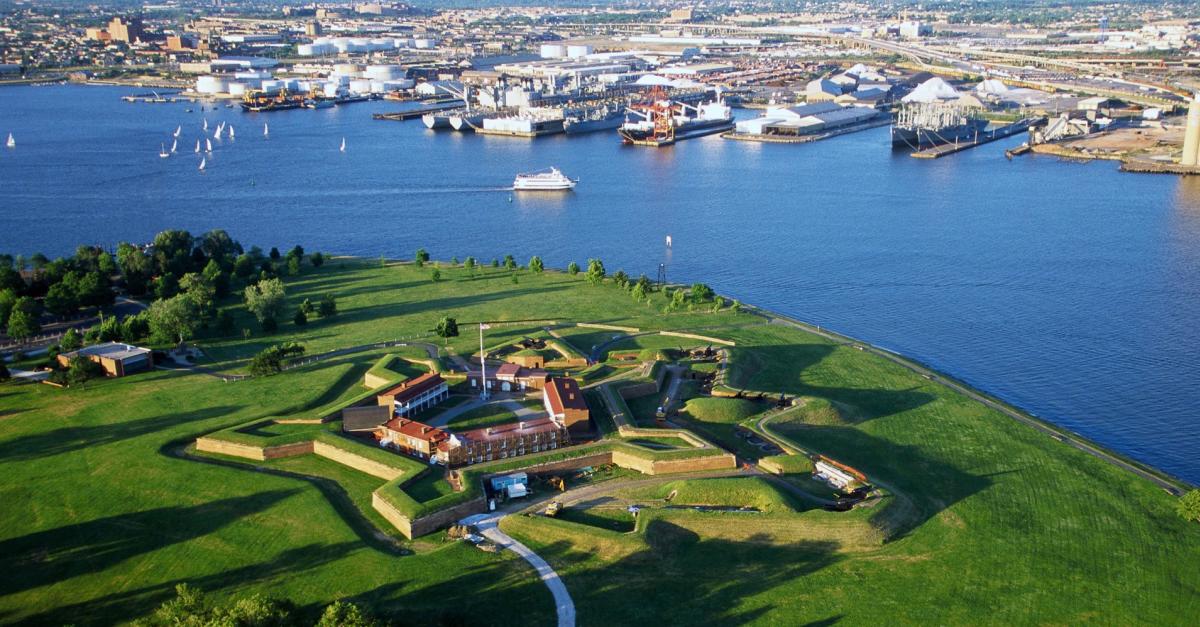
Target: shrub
[272, 360]
[1189, 506]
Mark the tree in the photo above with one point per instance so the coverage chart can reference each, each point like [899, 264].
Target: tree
[8, 299]
[166, 286]
[495, 262]
[678, 298]
[61, 300]
[701, 293]
[316, 259]
[172, 251]
[80, 370]
[639, 292]
[469, 264]
[572, 268]
[200, 293]
[736, 307]
[217, 278]
[446, 328]
[421, 258]
[345, 614]
[193, 608]
[272, 360]
[718, 303]
[11, 279]
[514, 279]
[218, 246]
[265, 300]
[274, 254]
[293, 266]
[1189, 506]
[71, 340]
[23, 321]
[621, 279]
[510, 263]
[135, 327]
[173, 319]
[436, 275]
[328, 306]
[136, 268]
[300, 319]
[243, 268]
[109, 330]
[454, 261]
[595, 272]
[94, 290]
[297, 252]
[307, 307]
[535, 264]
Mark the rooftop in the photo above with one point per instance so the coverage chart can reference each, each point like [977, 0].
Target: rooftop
[110, 350]
[563, 393]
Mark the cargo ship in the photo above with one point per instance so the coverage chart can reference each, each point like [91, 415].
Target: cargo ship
[662, 122]
[920, 125]
[260, 101]
[602, 119]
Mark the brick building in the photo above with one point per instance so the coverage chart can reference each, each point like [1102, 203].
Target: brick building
[510, 378]
[412, 437]
[501, 442]
[564, 402]
[415, 394]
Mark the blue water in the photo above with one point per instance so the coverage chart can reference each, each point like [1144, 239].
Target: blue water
[1071, 290]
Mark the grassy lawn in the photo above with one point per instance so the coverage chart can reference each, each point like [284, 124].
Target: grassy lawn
[490, 415]
[610, 518]
[270, 428]
[986, 522]
[428, 486]
[659, 443]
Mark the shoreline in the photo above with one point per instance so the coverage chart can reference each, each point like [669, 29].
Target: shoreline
[1171, 484]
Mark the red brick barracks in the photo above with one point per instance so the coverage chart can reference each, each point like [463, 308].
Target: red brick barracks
[567, 418]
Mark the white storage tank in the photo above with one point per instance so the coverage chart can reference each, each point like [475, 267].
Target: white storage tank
[347, 69]
[423, 43]
[237, 89]
[212, 85]
[383, 72]
[272, 86]
[553, 51]
[578, 51]
[360, 86]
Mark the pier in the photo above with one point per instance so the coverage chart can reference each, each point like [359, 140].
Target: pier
[935, 152]
[400, 116]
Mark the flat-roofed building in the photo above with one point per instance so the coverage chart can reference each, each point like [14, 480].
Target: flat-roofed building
[127, 29]
[117, 359]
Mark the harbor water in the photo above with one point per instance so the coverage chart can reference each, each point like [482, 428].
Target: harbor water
[1069, 289]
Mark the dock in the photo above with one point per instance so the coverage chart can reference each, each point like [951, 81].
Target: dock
[409, 114]
[986, 137]
[811, 137]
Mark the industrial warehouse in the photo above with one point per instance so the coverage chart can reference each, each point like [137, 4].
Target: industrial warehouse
[808, 122]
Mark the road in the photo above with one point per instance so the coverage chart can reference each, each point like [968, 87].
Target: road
[487, 524]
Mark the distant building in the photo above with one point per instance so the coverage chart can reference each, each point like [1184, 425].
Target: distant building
[564, 402]
[412, 437]
[686, 14]
[502, 442]
[312, 29]
[117, 359]
[510, 378]
[127, 29]
[415, 394]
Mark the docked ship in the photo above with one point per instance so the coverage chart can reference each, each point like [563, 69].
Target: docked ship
[257, 101]
[919, 125]
[550, 180]
[662, 122]
[435, 120]
[601, 119]
[465, 121]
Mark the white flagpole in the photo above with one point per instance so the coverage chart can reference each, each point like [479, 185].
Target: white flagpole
[483, 394]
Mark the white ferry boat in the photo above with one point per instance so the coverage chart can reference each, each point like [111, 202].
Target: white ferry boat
[550, 180]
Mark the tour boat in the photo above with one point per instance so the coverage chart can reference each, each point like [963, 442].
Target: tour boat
[545, 180]
[202, 162]
[343, 148]
[162, 151]
[11, 143]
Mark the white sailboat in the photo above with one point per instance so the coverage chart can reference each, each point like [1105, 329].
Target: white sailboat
[208, 145]
[11, 143]
[206, 124]
[231, 134]
[197, 146]
[202, 162]
[162, 151]
[343, 148]
[174, 145]
[266, 130]
[177, 129]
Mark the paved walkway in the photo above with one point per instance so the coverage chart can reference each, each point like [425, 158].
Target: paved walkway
[487, 524]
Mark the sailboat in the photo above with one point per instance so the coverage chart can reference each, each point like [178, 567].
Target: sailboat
[197, 146]
[11, 143]
[208, 145]
[174, 145]
[231, 134]
[177, 129]
[206, 124]
[162, 151]
[343, 148]
[266, 130]
[202, 162]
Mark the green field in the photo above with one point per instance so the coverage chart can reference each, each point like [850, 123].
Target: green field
[986, 521]
[490, 415]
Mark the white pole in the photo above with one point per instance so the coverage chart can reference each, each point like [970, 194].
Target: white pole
[483, 391]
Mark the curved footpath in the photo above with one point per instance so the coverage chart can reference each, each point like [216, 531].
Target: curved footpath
[487, 524]
[1171, 485]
